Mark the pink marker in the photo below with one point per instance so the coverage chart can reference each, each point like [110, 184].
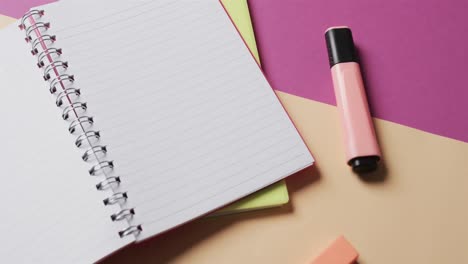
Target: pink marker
[362, 150]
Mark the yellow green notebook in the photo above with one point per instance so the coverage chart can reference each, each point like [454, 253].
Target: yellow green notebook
[276, 194]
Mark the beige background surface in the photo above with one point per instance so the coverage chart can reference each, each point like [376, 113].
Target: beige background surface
[412, 211]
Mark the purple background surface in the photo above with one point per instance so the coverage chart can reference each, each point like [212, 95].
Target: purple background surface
[414, 55]
[16, 8]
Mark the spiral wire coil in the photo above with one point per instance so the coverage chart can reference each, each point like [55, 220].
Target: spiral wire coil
[67, 97]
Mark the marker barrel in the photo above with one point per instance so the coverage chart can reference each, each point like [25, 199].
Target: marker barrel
[362, 149]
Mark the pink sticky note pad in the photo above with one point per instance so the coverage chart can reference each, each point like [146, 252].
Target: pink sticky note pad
[339, 252]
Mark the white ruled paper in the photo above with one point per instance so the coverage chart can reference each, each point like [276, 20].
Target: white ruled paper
[52, 212]
[189, 119]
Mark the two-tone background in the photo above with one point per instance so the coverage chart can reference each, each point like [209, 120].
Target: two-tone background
[412, 211]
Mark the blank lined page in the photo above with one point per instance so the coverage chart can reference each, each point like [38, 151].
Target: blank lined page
[189, 119]
[52, 212]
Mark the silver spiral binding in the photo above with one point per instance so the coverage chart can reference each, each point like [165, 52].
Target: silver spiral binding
[34, 14]
[67, 94]
[53, 67]
[53, 85]
[39, 41]
[35, 27]
[135, 230]
[73, 109]
[107, 183]
[115, 198]
[45, 53]
[67, 97]
[87, 137]
[125, 213]
[101, 168]
[81, 122]
[93, 151]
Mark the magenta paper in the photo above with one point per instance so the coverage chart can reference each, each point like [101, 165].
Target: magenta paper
[414, 55]
[16, 8]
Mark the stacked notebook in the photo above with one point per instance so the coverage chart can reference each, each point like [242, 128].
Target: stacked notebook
[275, 194]
[128, 119]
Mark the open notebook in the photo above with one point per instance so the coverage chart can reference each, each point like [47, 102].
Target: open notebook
[158, 115]
[274, 195]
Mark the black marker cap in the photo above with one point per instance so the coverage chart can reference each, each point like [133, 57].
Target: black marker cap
[364, 164]
[340, 45]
